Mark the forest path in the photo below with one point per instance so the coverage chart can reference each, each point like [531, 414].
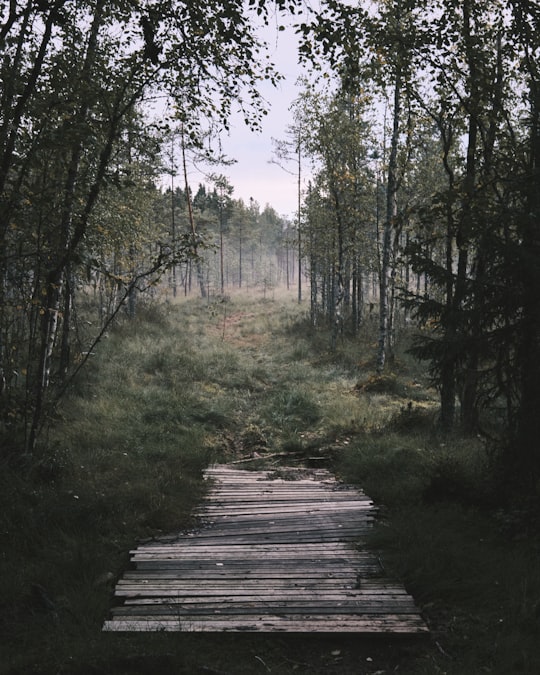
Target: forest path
[277, 551]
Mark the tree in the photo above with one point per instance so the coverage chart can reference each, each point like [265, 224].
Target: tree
[468, 83]
[523, 447]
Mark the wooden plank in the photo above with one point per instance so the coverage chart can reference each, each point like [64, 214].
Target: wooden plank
[209, 569]
[252, 569]
[298, 624]
[201, 553]
[301, 503]
[330, 610]
[285, 524]
[307, 525]
[297, 531]
[279, 549]
[285, 604]
[274, 597]
[237, 574]
[234, 583]
[289, 508]
[317, 549]
[286, 567]
[227, 554]
[323, 536]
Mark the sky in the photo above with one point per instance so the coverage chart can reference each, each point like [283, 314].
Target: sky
[254, 175]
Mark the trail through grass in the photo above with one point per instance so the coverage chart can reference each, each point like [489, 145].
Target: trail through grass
[246, 380]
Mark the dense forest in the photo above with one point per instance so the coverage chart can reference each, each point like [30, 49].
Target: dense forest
[423, 209]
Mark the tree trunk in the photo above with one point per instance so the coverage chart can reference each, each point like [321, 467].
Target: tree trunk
[391, 214]
[65, 351]
[313, 274]
[200, 273]
[299, 189]
[448, 366]
[468, 226]
[527, 449]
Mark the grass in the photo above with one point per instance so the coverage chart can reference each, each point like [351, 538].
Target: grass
[193, 382]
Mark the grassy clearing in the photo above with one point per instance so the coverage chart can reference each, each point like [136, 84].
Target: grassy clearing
[190, 383]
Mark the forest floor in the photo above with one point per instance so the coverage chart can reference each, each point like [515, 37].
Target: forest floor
[245, 379]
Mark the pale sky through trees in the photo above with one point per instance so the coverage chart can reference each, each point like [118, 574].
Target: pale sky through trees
[253, 175]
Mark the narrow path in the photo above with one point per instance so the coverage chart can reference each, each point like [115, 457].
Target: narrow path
[276, 551]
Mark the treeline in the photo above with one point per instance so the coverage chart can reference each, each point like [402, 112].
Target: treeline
[241, 246]
[428, 148]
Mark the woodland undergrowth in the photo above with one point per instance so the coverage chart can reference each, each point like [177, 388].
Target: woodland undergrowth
[245, 379]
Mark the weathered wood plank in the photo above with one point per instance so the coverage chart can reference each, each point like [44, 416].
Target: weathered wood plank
[308, 597]
[306, 549]
[285, 524]
[251, 569]
[328, 610]
[331, 602]
[269, 623]
[306, 537]
[208, 575]
[236, 553]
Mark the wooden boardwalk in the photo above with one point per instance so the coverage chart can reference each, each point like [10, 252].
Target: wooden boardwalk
[277, 551]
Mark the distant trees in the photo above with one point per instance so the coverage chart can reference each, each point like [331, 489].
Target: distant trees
[244, 247]
[368, 53]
